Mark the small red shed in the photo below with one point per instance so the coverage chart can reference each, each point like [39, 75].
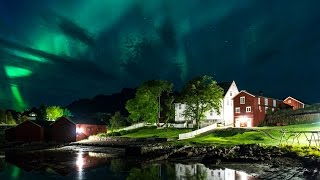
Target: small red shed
[29, 131]
[66, 129]
[296, 104]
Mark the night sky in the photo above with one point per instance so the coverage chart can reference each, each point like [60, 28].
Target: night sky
[57, 51]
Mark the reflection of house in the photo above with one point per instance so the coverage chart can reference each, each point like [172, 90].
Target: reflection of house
[29, 131]
[250, 110]
[296, 104]
[199, 171]
[68, 130]
[226, 110]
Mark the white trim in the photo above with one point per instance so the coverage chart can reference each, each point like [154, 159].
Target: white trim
[246, 93]
[236, 108]
[243, 98]
[293, 99]
[248, 107]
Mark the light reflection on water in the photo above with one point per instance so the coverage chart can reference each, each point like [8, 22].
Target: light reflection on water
[85, 165]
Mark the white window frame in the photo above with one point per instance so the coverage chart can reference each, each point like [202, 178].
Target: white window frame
[259, 101]
[266, 101]
[231, 93]
[242, 100]
[248, 109]
[274, 103]
[289, 101]
[179, 106]
[237, 110]
[211, 112]
[266, 109]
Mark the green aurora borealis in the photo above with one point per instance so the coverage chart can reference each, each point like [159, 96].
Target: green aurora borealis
[54, 52]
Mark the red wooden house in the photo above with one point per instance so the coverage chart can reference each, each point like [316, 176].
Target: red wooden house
[29, 130]
[67, 129]
[296, 104]
[250, 110]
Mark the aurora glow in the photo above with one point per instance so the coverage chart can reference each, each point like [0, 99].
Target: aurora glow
[14, 72]
[59, 51]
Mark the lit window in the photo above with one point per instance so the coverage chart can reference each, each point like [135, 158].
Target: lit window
[289, 101]
[274, 103]
[266, 102]
[260, 108]
[242, 100]
[237, 109]
[272, 109]
[248, 109]
[258, 100]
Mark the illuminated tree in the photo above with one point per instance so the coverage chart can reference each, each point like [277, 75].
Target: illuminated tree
[145, 105]
[201, 94]
[54, 112]
[67, 112]
[115, 121]
[9, 118]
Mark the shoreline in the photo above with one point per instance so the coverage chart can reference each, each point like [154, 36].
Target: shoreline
[269, 159]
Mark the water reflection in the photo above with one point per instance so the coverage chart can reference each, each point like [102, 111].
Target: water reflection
[201, 172]
[84, 165]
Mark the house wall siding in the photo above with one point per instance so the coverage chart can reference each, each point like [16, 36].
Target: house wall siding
[63, 131]
[294, 103]
[28, 131]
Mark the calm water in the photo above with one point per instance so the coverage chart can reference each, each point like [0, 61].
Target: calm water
[62, 165]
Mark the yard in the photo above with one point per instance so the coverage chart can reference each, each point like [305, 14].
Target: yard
[229, 136]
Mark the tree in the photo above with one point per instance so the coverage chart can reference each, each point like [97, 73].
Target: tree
[201, 94]
[9, 118]
[54, 112]
[168, 110]
[115, 121]
[67, 112]
[42, 113]
[2, 116]
[145, 105]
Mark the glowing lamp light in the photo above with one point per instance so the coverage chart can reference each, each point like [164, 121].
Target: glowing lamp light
[79, 130]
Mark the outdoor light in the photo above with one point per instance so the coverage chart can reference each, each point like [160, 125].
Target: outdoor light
[79, 130]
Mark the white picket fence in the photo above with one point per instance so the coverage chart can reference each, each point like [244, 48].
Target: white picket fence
[197, 132]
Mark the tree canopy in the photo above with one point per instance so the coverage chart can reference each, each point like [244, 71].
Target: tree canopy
[201, 94]
[54, 112]
[145, 105]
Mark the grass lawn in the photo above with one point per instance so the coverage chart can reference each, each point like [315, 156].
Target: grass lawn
[154, 132]
[259, 135]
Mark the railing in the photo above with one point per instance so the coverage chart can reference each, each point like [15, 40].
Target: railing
[197, 132]
[294, 137]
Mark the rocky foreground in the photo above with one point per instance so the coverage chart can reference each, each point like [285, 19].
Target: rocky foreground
[274, 162]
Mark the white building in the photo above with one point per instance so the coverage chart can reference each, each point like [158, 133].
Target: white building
[226, 111]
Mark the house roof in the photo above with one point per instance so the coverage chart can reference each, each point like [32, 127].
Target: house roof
[294, 99]
[42, 123]
[225, 86]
